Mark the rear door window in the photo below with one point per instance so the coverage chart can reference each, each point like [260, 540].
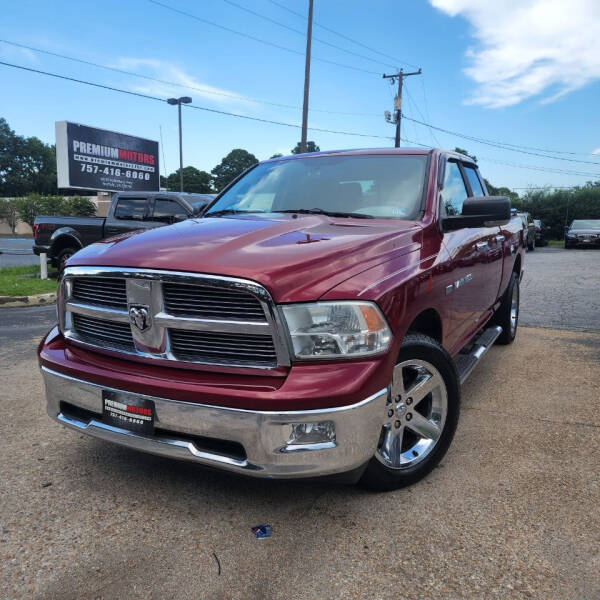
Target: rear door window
[454, 193]
[131, 209]
[474, 182]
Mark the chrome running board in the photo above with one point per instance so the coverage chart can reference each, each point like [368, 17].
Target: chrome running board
[466, 361]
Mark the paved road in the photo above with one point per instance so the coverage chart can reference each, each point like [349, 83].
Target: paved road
[561, 289]
[17, 252]
[512, 511]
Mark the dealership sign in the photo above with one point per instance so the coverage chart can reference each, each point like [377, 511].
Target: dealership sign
[97, 159]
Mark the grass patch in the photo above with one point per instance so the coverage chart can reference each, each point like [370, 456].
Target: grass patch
[556, 243]
[18, 281]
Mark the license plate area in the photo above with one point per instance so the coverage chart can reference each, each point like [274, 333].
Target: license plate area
[128, 412]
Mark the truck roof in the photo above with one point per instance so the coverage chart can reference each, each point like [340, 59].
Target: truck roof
[365, 151]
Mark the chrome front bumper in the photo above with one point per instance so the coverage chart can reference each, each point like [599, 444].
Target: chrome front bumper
[264, 435]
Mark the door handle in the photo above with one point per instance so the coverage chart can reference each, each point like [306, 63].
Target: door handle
[481, 245]
[500, 238]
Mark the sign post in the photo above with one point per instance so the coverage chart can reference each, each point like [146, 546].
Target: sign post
[97, 159]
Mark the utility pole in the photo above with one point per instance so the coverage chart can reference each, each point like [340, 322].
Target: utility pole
[398, 102]
[306, 78]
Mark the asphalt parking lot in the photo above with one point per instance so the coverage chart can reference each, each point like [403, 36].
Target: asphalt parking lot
[17, 252]
[511, 512]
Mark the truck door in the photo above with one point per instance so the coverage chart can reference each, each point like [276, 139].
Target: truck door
[127, 214]
[475, 269]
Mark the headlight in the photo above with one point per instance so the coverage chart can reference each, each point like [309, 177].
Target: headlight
[336, 329]
[571, 235]
[64, 294]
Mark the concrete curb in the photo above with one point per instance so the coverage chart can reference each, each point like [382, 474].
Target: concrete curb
[35, 300]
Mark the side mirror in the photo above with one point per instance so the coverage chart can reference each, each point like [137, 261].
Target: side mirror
[480, 211]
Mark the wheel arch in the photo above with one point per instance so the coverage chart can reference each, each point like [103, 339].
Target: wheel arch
[517, 265]
[428, 322]
[65, 238]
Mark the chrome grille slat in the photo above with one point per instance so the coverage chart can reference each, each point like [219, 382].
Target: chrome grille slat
[107, 331]
[203, 345]
[104, 291]
[182, 299]
[202, 319]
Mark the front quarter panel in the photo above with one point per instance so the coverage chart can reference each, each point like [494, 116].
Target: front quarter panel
[403, 288]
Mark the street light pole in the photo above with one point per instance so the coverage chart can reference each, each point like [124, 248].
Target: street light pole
[179, 102]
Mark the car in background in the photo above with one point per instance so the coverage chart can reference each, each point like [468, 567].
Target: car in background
[60, 237]
[583, 232]
[528, 230]
[540, 236]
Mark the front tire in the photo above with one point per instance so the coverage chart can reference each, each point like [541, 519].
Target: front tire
[420, 416]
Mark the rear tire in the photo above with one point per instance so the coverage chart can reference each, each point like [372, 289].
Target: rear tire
[507, 315]
[420, 417]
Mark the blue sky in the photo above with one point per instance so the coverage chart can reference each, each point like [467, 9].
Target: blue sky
[524, 72]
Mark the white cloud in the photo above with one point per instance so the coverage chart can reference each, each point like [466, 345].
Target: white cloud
[596, 151]
[178, 80]
[529, 47]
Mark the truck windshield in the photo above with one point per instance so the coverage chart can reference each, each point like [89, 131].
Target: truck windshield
[590, 224]
[361, 186]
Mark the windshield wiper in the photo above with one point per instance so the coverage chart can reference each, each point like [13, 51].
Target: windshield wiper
[329, 213]
[230, 211]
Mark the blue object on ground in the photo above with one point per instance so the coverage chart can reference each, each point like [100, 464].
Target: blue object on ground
[262, 531]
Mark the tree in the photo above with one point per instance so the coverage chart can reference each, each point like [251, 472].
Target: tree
[501, 191]
[236, 162]
[463, 151]
[28, 208]
[8, 212]
[51, 205]
[26, 164]
[310, 147]
[78, 206]
[194, 181]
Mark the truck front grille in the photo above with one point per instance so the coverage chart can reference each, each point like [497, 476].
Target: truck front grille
[224, 348]
[172, 316]
[102, 291]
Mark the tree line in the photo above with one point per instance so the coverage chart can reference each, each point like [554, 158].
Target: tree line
[27, 208]
[236, 162]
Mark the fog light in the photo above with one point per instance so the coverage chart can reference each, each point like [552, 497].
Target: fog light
[303, 434]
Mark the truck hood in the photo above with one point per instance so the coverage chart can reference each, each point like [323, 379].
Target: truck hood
[296, 259]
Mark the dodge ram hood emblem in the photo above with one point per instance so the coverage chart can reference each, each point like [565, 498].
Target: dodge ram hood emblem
[140, 317]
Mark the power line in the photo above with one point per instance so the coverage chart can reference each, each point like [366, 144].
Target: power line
[197, 107]
[503, 145]
[256, 39]
[174, 83]
[518, 166]
[281, 123]
[302, 33]
[431, 133]
[345, 37]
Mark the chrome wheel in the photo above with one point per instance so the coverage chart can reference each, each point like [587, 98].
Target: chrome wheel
[415, 414]
[514, 310]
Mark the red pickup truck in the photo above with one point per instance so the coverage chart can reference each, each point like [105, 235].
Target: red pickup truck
[318, 319]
